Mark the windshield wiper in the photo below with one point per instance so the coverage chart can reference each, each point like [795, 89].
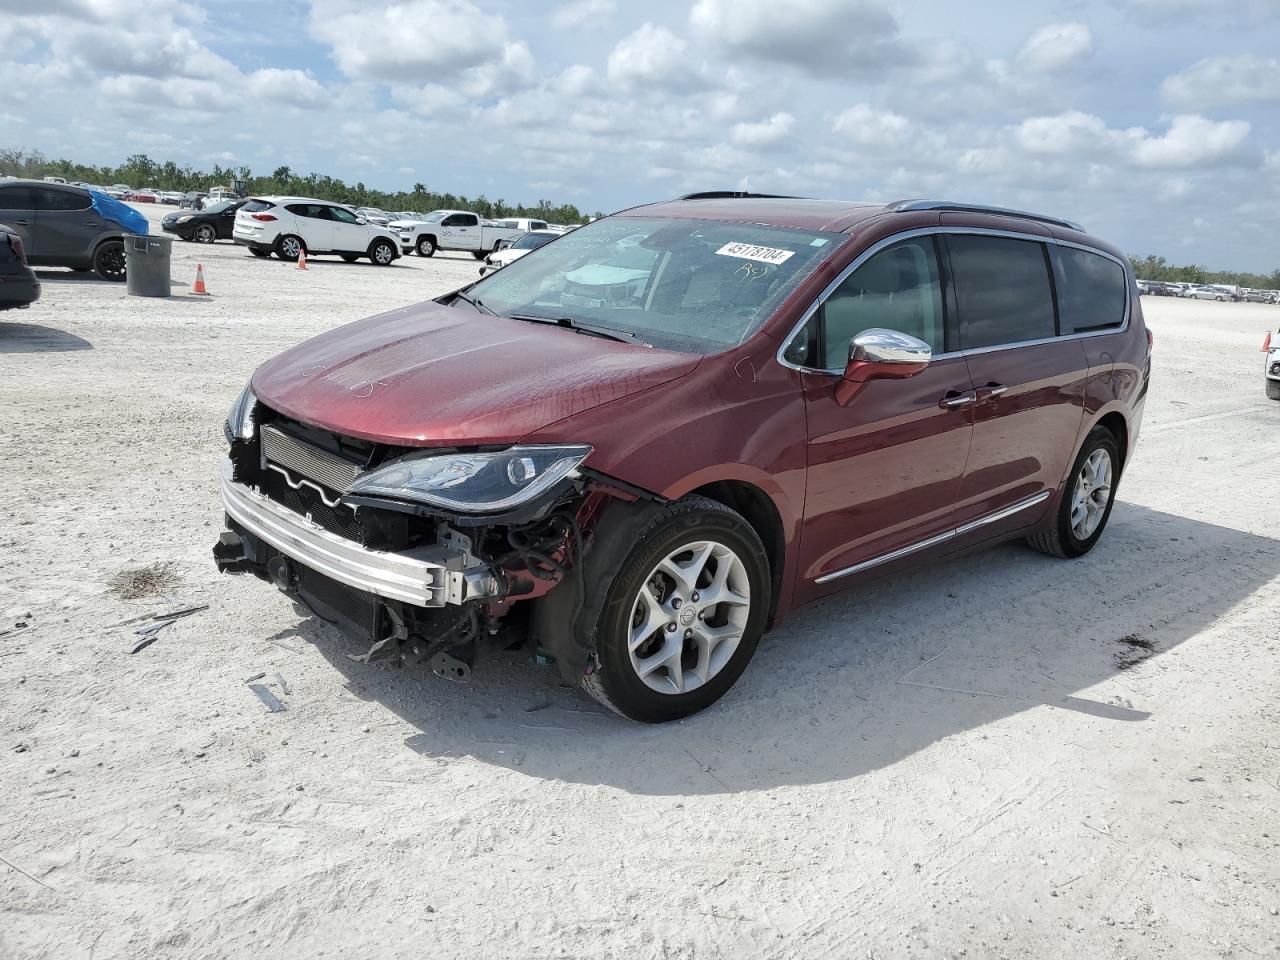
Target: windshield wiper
[577, 326]
[459, 295]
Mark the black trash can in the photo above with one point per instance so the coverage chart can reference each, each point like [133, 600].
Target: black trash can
[147, 265]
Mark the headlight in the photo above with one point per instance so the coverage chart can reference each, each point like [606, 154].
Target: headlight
[239, 425]
[473, 482]
[183, 219]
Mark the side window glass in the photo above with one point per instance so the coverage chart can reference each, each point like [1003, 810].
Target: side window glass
[1092, 292]
[46, 199]
[15, 198]
[343, 216]
[897, 289]
[1002, 290]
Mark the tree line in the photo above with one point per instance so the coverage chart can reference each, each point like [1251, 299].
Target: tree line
[140, 170]
[1157, 268]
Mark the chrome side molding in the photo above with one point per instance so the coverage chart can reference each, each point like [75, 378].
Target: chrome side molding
[937, 539]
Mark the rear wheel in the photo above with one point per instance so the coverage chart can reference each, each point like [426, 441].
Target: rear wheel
[290, 247]
[1087, 501]
[205, 233]
[684, 614]
[426, 247]
[109, 262]
[259, 252]
[479, 254]
[382, 252]
[350, 257]
[1273, 389]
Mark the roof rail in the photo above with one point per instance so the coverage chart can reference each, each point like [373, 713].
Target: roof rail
[735, 195]
[904, 206]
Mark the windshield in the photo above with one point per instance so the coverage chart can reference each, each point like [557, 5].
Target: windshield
[695, 285]
[531, 241]
[219, 206]
[435, 217]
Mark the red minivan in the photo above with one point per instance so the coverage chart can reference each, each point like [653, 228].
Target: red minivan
[641, 445]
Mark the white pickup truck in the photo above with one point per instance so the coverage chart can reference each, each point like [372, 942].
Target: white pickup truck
[455, 230]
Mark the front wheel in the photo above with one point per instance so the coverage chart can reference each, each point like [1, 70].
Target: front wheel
[426, 247]
[1273, 389]
[1086, 502]
[205, 233]
[382, 253]
[350, 257]
[259, 252]
[683, 615]
[479, 254]
[109, 262]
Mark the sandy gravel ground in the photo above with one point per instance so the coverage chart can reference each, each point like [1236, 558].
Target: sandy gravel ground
[1004, 756]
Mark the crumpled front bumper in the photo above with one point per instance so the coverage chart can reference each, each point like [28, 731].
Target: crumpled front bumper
[427, 577]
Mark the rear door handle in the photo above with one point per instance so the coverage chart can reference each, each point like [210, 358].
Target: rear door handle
[953, 399]
[991, 390]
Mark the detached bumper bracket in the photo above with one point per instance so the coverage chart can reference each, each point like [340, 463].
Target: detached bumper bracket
[428, 577]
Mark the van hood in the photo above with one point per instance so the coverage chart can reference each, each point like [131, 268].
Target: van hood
[430, 375]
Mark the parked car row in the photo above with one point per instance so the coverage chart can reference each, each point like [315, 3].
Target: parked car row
[1206, 291]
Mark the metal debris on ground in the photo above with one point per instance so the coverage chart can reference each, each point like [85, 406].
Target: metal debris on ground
[269, 699]
[284, 684]
[257, 676]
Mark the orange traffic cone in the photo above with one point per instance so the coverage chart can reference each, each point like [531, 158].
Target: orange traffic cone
[198, 287]
[1266, 344]
[302, 258]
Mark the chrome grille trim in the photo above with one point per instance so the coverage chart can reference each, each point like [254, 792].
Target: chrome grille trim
[307, 461]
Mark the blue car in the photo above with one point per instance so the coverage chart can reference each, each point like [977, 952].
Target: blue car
[66, 226]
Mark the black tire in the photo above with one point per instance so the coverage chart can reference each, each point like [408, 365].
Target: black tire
[350, 257]
[1058, 539]
[426, 247]
[259, 252]
[204, 233]
[613, 681]
[382, 253]
[479, 254]
[285, 247]
[109, 262]
[81, 269]
[1273, 389]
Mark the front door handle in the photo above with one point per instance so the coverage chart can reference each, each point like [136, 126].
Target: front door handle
[953, 399]
[991, 390]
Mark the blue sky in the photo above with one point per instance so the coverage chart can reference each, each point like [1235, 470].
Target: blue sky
[1154, 122]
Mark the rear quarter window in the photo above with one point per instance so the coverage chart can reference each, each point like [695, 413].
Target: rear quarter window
[256, 206]
[48, 199]
[1002, 288]
[1092, 292]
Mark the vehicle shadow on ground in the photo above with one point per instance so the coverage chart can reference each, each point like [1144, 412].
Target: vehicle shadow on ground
[862, 680]
[31, 338]
[48, 275]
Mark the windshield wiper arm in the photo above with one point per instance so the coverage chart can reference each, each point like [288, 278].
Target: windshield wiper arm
[465, 298]
[577, 326]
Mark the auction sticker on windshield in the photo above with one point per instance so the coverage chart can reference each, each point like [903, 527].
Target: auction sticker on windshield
[749, 251]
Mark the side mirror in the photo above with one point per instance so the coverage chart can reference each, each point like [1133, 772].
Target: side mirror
[502, 245]
[879, 354]
[361, 220]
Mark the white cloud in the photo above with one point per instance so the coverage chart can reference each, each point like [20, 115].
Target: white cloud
[873, 128]
[411, 41]
[853, 36]
[1056, 46]
[1215, 81]
[1192, 141]
[651, 54]
[583, 13]
[1070, 133]
[765, 133]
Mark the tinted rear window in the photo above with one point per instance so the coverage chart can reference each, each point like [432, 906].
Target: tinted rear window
[1092, 292]
[257, 206]
[49, 199]
[1002, 290]
[15, 198]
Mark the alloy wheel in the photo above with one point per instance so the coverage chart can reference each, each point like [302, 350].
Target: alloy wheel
[689, 616]
[204, 233]
[1091, 494]
[291, 248]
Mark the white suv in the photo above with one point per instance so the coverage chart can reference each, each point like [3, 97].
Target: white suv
[286, 226]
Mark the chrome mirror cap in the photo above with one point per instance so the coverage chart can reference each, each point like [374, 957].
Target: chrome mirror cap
[879, 345]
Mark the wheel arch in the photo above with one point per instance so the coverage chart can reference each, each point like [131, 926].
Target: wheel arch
[1119, 427]
[759, 510]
